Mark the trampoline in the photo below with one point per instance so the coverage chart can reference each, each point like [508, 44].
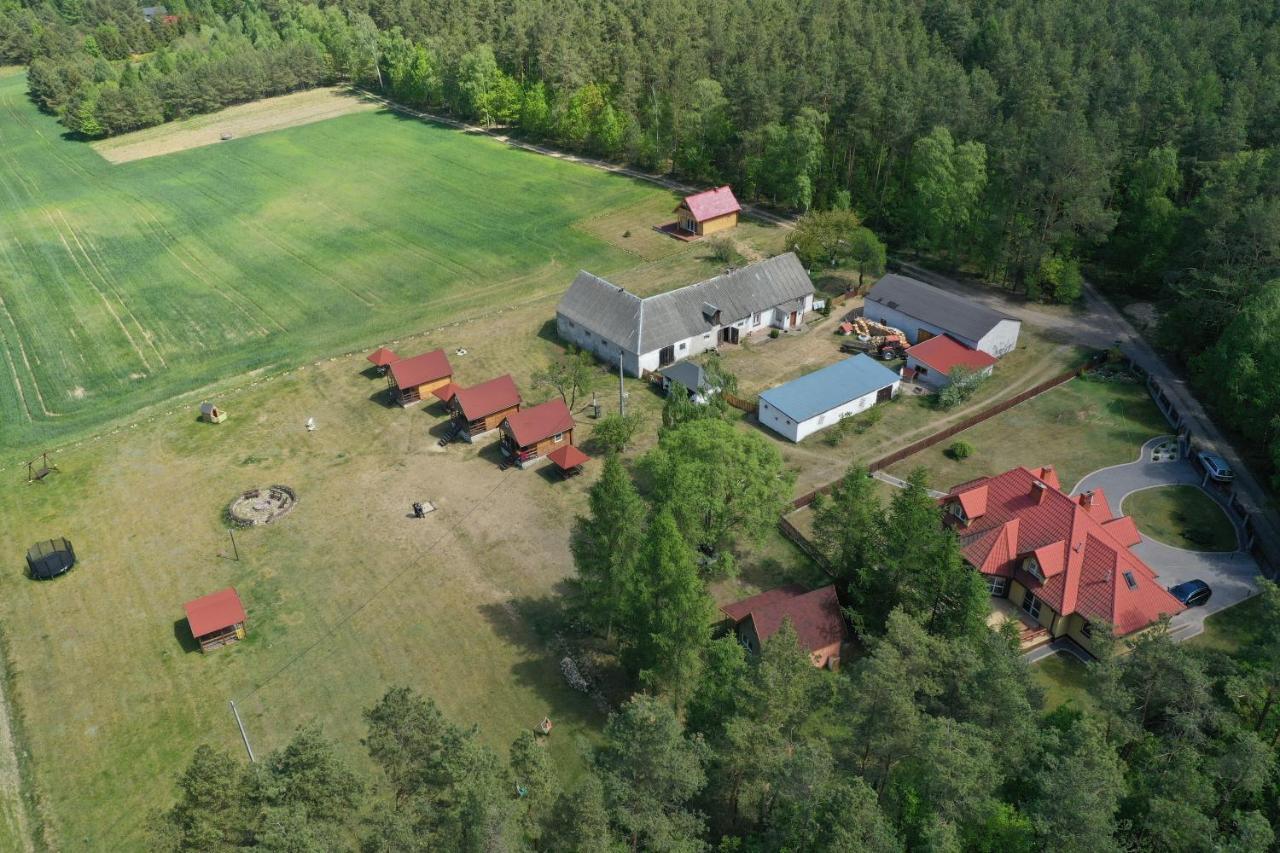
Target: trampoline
[51, 558]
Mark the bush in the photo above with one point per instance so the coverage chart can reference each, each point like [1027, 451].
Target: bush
[723, 250]
[960, 450]
[773, 333]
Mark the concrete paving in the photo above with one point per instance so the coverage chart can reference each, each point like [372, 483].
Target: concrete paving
[1232, 576]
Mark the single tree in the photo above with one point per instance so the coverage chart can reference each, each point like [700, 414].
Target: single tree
[570, 375]
[615, 432]
[605, 543]
[848, 526]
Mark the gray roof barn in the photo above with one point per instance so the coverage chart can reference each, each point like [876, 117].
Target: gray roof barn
[938, 307]
[687, 373]
[644, 325]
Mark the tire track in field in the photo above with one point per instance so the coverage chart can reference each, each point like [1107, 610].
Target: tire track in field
[142, 356]
[111, 284]
[262, 232]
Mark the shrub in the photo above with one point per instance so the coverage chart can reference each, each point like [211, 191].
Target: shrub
[960, 450]
[773, 333]
[723, 250]
[626, 233]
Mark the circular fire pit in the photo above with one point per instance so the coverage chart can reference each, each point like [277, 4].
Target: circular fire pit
[261, 506]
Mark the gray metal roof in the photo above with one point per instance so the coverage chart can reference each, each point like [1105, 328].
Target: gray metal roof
[942, 308]
[644, 325]
[687, 373]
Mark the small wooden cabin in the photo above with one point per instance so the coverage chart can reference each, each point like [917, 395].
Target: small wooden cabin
[708, 212]
[211, 413]
[815, 615]
[482, 408]
[216, 619]
[531, 434]
[412, 379]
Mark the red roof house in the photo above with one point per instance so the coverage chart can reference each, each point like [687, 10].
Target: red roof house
[1064, 561]
[483, 407]
[532, 433]
[413, 378]
[216, 619]
[815, 615]
[708, 212]
[933, 359]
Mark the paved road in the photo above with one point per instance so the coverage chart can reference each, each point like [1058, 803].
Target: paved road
[1098, 323]
[1233, 576]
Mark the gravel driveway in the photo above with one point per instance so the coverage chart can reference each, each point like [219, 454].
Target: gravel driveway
[1231, 575]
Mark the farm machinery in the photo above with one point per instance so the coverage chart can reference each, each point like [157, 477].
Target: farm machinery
[874, 338]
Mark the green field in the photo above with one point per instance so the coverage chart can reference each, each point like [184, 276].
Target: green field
[1181, 516]
[127, 285]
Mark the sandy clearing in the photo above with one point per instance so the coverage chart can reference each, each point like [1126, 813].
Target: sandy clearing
[262, 116]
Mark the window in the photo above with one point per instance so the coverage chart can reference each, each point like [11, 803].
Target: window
[921, 370]
[707, 336]
[1130, 580]
[1087, 629]
[684, 347]
[822, 419]
[1031, 604]
[755, 319]
[957, 510]
[1032, 567]
[557, 438]
[997, 586]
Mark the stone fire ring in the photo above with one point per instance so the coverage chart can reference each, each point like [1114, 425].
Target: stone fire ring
[261, 506]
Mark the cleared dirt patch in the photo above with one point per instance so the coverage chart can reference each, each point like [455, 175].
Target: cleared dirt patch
[262, 116]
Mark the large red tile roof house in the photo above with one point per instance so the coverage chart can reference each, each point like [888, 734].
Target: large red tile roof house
[815, 616]
[1064, 560]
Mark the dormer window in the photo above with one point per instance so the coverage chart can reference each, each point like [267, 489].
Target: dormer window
[1032, 567]
[957, 511]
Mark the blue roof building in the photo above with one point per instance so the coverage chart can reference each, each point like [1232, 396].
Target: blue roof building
[820, 399]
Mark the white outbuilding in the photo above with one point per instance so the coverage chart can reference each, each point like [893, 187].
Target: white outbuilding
[821, 399]
[923, 311]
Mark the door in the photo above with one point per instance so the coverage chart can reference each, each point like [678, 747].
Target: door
[885, 394]
[795, 317]
[666, 356]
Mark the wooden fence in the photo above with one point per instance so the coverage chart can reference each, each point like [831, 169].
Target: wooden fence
[741, 404]
[958, 427]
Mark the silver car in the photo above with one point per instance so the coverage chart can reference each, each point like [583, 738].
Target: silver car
[1216, 467]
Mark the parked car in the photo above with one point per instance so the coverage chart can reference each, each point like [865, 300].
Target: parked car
[1192, 593]
[1216, 466]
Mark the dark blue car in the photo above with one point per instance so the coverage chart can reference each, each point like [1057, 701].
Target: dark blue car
[1192, 593]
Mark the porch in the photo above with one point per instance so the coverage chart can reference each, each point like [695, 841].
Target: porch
[1031, 634]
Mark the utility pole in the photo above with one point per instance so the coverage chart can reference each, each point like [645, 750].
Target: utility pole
[243, 733]
[622, 395]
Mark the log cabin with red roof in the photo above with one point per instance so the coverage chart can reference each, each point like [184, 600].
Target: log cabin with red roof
[708, 212]
[1062, 564]
[412, 379]
[531, 434]
[815, 615]
[482, 408]
[216, 619]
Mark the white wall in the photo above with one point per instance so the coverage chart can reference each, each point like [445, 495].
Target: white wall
[606, 351]
[932, 378]
[787, 428]
[1002, 339]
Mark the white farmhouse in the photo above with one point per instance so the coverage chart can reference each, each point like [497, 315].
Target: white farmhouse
[923, 311]
[820, 399]
[656, 331]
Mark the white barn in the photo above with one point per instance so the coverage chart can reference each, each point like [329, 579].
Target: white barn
[821, 399]
[656, 331]
[923, 311]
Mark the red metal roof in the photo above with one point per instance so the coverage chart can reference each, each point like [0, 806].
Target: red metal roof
[214, 612]
[487, 398]
[421, 369]
[446, 391]
[711, 203]
[943, 353]
[1084, 558]
[815, 615]
[568, 457]
[382, 357]
[541, 421]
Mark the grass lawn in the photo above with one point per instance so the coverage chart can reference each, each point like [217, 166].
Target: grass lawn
[1077, 427]
[1181, 516]
[1234, 629]
[127, 285]
[1063, 678]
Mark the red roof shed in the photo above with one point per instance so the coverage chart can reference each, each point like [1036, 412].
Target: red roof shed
[487, 398]
[214, 612]
[942, 353]
[421, 369]
[530, 426]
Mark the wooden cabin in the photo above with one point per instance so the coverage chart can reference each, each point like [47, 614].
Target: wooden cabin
[708, 212]
[482, 408]
[209, 413]
[216, 619]
[531, 434]
[412, 379]
[815, 615]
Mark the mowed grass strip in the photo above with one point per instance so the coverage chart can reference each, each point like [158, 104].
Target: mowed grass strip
[1181, 516]
[130, 284]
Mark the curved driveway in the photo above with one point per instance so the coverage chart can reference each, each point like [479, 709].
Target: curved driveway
[1231, 575]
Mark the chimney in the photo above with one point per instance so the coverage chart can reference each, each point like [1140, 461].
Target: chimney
[1086, 500]
[1039, 490]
